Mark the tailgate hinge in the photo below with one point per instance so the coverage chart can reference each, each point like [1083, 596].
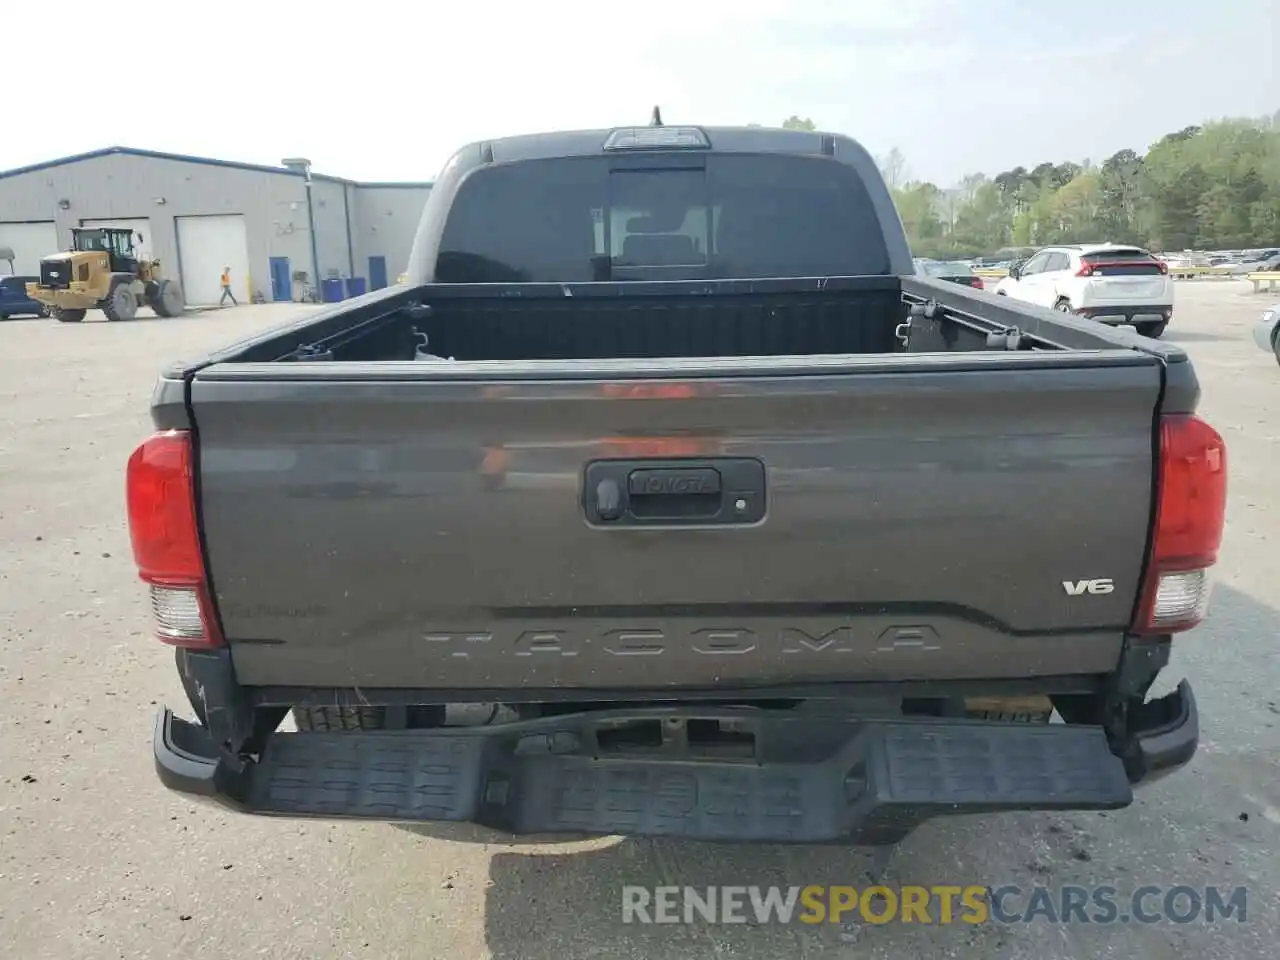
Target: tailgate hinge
[916, 311]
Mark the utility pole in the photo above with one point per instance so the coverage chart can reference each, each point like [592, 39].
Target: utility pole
[303, 166]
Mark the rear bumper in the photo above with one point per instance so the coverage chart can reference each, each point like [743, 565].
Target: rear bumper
[1127, 313]
[1163, 736]
[802, 778]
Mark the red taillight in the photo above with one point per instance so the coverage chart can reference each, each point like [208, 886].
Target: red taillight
[162, 510]
[1089, 269]
[1190, 514]
[976, 283]
[160, 493]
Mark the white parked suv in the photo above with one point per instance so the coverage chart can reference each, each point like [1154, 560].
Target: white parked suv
[1106, 282]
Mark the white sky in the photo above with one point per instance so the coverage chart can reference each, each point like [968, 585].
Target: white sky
[380, 90]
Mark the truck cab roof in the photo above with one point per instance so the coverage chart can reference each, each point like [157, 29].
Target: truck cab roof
[839, 178]
[573, 143]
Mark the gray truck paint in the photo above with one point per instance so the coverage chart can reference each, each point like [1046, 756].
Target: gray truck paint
[170, 399]
[354, 541]
[924, 510]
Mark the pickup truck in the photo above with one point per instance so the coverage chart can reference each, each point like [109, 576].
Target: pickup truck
[665, 499]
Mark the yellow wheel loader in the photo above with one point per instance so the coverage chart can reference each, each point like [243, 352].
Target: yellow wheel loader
[101, 271]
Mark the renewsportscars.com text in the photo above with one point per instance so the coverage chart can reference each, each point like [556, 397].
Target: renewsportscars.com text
[939, 904]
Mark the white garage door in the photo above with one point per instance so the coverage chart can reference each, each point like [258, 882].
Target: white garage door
[206, 245]
[141, 227]
[30, 242]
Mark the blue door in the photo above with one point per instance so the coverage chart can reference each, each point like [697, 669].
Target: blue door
[281, 280]
[377, 273]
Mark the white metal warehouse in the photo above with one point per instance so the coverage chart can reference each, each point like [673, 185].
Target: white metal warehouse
[278, 228]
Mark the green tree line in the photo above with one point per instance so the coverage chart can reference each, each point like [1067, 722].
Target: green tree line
[1210, 187]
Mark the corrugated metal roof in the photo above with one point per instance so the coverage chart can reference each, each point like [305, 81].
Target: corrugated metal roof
[205, 161]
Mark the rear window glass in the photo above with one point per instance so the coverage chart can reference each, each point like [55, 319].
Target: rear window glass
[1123, 262]
[578, 219]
[1119, 253]
[949, 268]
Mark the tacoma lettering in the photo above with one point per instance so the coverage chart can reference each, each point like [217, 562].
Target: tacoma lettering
[460, 645]
[543, 643]
[837, 640]
[643, 643]
[706, 641]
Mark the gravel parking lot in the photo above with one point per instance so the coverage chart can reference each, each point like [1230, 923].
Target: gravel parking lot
[98, 860]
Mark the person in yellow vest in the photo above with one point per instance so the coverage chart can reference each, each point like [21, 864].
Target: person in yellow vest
[226, 288]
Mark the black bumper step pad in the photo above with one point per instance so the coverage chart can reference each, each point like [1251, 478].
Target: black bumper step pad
[887, 778]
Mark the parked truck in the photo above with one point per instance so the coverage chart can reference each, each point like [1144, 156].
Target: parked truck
[665, 499]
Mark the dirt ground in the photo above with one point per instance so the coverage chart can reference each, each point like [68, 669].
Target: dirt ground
[97, 860]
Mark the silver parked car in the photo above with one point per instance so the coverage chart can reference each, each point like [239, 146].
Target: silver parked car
[1260, 265]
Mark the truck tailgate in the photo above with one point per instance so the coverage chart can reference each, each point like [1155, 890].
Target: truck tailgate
[390, 525]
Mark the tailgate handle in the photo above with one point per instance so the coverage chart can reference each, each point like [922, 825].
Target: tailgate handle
[674, 492]
[674, 482]
[639, 492]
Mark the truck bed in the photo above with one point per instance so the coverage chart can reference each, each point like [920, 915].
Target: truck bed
[914, 511]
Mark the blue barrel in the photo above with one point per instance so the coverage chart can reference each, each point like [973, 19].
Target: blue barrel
[356, 286]
[331, 290]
